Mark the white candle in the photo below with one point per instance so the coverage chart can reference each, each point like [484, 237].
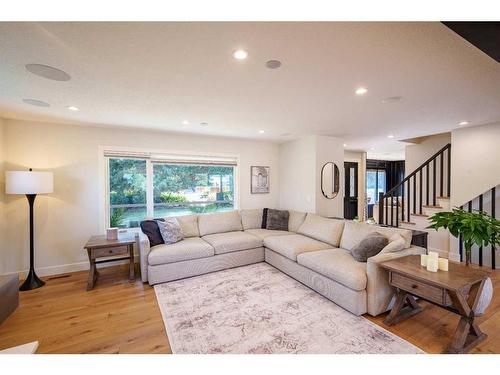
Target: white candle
[423, 260]
[433, 255]
[432, 264]
[443, 264]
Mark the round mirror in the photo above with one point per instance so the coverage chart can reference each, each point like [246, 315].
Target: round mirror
[330, 180]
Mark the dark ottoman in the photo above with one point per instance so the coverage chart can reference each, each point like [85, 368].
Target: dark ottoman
[9, 295]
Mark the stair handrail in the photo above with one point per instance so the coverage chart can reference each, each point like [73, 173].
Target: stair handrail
[425, 163]
[384, 196]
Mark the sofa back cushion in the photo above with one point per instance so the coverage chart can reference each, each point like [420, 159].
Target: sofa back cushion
[322, 229]
[354, 232]
[219, 222]
[251, 219]
[189, 225]
[295, 220]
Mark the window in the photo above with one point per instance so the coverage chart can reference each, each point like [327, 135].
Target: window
[147, 186]
[375, 184]
[186, 189]
[127, 192]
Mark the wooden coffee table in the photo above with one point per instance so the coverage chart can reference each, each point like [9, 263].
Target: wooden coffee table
[100, 247]
[457, 290]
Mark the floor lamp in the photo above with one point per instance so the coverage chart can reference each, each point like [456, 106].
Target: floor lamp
[30, 183]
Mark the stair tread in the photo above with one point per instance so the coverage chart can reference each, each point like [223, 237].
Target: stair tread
[443, 197]
[407, 222]
[431, 206]
[423, 215]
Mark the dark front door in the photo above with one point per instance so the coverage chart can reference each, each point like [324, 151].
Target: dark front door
[351, 190]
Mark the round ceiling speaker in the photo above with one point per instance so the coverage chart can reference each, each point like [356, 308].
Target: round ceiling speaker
[35, 102]
[273, 64]
[48, 72]
[392, 99]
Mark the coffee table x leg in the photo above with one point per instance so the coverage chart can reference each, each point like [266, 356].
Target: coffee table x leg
[467, 334]
[404, 307]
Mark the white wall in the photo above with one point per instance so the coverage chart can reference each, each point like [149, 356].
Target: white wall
[475, 161]
[2, 198]
[416, 154]
[297, 175]
[360, 158]
[300, 174]
[65, 219]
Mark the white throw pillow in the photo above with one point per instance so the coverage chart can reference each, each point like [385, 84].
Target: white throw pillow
[396, 243]
[170, 230]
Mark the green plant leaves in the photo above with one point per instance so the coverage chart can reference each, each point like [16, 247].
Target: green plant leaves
[474, 227]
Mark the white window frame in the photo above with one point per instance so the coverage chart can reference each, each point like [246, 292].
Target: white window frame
[151, 156]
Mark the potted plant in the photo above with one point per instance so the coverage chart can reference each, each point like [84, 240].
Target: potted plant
[475, 227]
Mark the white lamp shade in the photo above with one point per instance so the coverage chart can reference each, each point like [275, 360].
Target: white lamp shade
[28, 182]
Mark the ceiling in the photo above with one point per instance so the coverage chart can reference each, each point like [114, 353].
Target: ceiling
[156, 75]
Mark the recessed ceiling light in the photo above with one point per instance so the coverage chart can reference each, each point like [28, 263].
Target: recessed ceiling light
[185, 122]
[390, 136]
[373, 148]
[240, 54]
[462, 123]
[345, 144]
[48, 72]
[36, 102]
[204, 123]
[273, 64]
[261, 131]
[361, 91]
[73, 108]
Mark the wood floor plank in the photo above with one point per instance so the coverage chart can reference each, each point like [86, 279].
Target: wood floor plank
[122, 317]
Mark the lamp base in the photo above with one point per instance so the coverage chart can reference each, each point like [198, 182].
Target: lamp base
[32, 281]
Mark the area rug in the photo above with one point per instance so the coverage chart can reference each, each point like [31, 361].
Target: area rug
[259, 309]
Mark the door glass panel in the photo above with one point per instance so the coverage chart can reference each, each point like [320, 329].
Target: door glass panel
[352, 184]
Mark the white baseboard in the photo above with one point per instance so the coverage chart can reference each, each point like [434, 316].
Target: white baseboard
[67, 268]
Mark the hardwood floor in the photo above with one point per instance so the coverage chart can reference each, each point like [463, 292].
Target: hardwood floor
[115, 317]
[122, 317]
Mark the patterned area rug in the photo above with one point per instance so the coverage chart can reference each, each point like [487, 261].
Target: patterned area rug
[259, 309]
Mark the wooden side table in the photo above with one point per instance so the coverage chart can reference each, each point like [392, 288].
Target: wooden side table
[101, 247]
[457, 290]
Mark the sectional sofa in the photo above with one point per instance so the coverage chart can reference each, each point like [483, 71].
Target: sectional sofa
[315, 251]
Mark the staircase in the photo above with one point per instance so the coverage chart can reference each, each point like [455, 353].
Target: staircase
[425, 192]
[485, 202]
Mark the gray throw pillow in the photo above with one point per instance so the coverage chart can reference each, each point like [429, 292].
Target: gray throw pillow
[277, 219]
[369, 246]
[170, 230]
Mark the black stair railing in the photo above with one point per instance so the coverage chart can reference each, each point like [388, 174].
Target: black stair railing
[486, 203]
[410, 196]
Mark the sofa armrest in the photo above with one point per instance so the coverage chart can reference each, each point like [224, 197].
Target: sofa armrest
[144, 248]
[379, 292]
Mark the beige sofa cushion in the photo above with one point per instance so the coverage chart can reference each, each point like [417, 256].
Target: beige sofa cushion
[264, 233]
[293, 245]
[232, 241]
[187, 249]
[354, 232]
[189, 225]
[322, 229]
[219, 222]
[251, 219]
[338, 265]
[295, 220]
